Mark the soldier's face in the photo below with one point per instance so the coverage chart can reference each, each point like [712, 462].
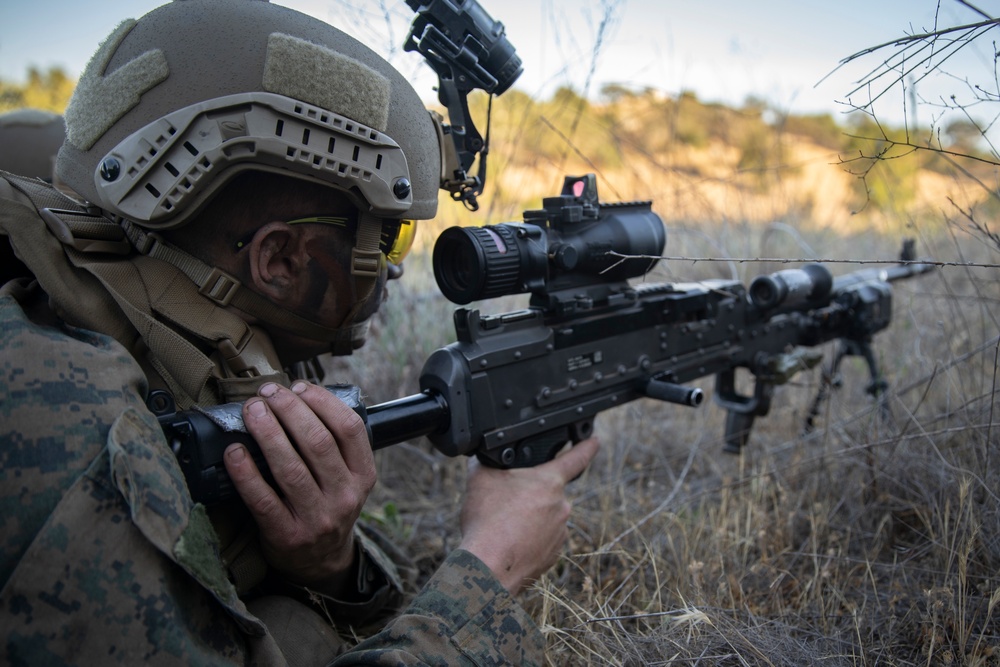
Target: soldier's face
[299, 252]
[328, 291]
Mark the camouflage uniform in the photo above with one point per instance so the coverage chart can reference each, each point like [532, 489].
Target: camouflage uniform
[105, 558]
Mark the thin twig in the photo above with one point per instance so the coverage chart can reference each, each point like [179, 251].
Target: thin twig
[800, 260]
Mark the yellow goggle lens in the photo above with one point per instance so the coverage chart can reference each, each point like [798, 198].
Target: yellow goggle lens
[395, 249]
[395, 242]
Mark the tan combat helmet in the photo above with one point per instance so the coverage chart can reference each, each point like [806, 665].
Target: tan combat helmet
[29, 141]
[175, 104]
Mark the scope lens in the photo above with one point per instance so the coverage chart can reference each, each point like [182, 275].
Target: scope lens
[458, 265]
[765, 292]
[466, 271]
[473, 263]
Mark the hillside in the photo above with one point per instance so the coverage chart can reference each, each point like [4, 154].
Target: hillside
[707, 164]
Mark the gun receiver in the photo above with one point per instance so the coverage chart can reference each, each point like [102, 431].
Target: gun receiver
[516, 387]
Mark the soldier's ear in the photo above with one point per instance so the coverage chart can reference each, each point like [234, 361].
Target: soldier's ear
[278, 260]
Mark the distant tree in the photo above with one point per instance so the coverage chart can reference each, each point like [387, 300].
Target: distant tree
[613, 92]
[48, 90]
[565, 96]
[963, 145]
[822, 129]
[963, 135]
[754, 104]
[689, 123]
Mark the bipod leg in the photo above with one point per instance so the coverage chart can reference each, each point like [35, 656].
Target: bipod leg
[829, 379]
[879, 385]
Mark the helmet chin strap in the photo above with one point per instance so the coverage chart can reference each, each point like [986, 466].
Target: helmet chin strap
[366, 265]
[225, 290]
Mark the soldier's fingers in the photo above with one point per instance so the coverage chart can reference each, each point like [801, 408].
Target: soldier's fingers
[346, 426]
[313, 439]
[571, 463]
[259, 497]
[290, 472]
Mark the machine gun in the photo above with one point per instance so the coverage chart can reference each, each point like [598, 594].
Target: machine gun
[516, 387]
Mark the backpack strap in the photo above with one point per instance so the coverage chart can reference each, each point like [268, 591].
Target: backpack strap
[178, 323]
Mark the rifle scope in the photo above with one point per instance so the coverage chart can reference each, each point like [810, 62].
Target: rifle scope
[792, 288]
[573, 242]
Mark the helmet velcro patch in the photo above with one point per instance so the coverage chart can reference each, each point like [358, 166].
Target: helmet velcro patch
[99, 101]
[317, 75]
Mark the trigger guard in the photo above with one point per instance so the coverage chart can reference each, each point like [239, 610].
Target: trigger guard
[537, 449]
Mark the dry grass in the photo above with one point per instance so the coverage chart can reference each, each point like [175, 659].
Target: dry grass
[865, 543]
[868, 542]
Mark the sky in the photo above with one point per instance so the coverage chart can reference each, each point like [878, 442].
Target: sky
[722, 50]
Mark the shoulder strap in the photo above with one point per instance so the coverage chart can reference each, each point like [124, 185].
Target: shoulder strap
[179, 324]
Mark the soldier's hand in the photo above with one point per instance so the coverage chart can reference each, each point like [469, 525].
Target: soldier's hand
[318, 451]
[515, 520]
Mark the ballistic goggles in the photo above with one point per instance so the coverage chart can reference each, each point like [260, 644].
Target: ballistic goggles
[395, 241]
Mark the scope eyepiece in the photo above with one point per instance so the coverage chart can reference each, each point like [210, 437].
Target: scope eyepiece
[473, 263]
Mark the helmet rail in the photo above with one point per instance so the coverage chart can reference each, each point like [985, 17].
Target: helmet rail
[162, 173]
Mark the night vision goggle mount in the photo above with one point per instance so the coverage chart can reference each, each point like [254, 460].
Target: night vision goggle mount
[468, 50]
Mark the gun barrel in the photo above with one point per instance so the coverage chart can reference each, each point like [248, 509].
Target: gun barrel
[407, 418]
[887, 275]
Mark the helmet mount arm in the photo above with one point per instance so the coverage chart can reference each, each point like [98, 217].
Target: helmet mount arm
[468, 50]
[462, 185]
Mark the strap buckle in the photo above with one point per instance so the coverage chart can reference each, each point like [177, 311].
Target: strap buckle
[220, 287]
[365, 263]
[142, 240]
[233, 354]
[86, 232]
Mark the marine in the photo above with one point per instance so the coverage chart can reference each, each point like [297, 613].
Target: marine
[239, 174]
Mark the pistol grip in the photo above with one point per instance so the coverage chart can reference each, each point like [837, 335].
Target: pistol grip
[738, 425]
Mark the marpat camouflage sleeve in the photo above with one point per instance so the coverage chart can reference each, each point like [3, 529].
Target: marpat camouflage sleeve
[463, 616]
[104, 558]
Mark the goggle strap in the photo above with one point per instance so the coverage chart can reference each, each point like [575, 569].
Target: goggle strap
[369, 234]
[365, 258]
